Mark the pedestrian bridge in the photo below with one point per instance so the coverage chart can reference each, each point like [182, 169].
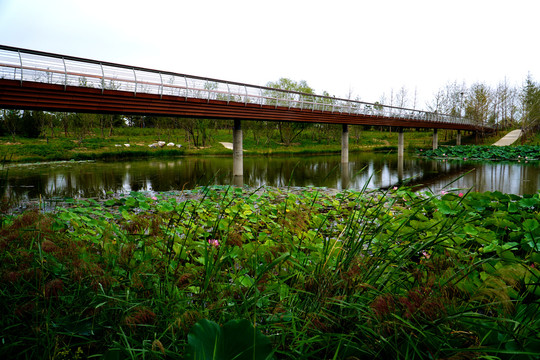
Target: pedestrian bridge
[36, 80]
[44, 81]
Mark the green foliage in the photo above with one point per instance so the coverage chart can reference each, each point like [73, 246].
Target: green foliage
[353, 275]
[289, 131]
[471, 152]
[237, 339]
[530, 96]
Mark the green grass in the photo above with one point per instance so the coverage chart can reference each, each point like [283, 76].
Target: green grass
[354, 275]
[311, 141]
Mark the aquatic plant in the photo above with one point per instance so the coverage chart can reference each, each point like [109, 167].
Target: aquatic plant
[471, 152]
[358, 274]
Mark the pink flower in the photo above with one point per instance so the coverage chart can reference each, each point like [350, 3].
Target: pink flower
[154, 198]
[460, 194]
[394, 188]
[444, 192]
[214, 242]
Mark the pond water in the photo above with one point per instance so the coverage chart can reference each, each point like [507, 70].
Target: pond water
[97, 179]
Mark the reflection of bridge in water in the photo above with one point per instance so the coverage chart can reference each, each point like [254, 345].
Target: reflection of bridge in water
[506, 177]
[97, 179]
[38, 80]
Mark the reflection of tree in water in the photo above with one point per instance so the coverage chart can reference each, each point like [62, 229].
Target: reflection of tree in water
[96, 179]
[50, 181]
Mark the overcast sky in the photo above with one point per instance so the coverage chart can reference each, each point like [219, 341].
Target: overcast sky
[366, 48]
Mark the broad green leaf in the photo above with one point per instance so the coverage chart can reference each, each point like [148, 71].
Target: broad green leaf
[530, 225]
[470, 230]
[237, 340]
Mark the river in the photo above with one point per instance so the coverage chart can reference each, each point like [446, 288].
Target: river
[23, 182]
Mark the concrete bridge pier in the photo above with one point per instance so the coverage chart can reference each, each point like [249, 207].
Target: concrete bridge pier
[435, 139]
[458, 138]
[345, 144]
[238, 160]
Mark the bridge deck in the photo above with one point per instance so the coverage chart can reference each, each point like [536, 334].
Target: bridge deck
[39, 96]
[42, 81]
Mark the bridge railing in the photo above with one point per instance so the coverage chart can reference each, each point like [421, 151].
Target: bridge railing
[28, 65]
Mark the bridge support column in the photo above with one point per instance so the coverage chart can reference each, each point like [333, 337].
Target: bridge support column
[458, 138]
[238, 161]
[435, 139]
[345, 144]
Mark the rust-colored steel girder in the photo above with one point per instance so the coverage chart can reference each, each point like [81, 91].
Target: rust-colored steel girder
[51, 97]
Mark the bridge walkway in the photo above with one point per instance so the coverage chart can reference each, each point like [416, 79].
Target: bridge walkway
[509, 138]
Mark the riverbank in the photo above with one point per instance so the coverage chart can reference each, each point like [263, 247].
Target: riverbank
[320, 275]
[137, 143]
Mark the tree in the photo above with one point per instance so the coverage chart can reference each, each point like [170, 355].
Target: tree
[80, 123]
[30, 124]
[50, 122]
[198, 130]
[402, 98]
[110, 121]
[477, 104]
[289, 131]
[530, 102]
[449, 100]
[504, 105]
[10, 121]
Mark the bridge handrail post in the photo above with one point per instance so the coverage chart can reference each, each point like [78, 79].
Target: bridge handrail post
[161, 87]
[20, 62]
[135, 76]
[185, 80]
[103, 78]
[228, 93]
[65, 73]
[246, 98]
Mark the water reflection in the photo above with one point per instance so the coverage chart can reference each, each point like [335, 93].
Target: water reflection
[96, 179]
